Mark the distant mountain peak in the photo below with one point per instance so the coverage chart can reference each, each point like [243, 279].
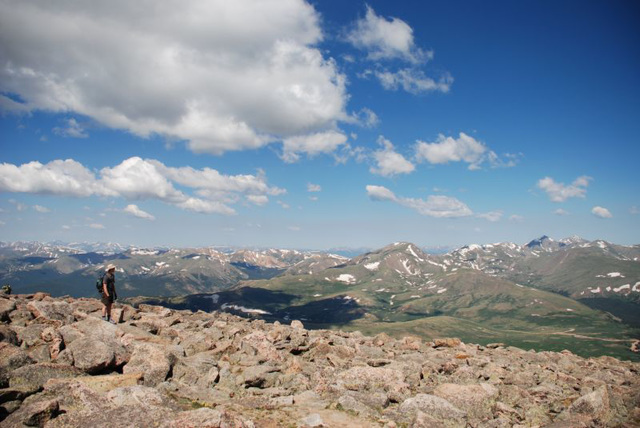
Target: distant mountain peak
[539, 242]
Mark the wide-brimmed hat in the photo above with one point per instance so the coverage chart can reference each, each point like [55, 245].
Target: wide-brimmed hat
[110, 266]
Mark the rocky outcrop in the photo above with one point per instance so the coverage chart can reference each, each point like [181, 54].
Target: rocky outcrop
[62, 366]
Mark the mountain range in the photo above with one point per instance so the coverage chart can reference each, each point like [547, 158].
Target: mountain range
[553, 294]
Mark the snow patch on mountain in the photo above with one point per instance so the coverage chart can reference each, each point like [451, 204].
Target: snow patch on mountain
[245, 310]
[413, 253]
[141, 252]
[346, 278]
[405, 263]
[372, 266]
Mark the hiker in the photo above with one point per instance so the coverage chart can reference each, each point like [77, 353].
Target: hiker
[109, 294]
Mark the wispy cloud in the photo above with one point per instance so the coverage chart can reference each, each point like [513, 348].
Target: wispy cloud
[492, 216]
[434, 206]
[561, 212]
[413, 81]
[135, 211]
[313, 187]
[41, 209]
[72, 130]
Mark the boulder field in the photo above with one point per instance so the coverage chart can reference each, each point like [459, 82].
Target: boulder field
[61, 365]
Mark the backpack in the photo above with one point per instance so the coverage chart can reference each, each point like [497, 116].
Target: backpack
[99, 284]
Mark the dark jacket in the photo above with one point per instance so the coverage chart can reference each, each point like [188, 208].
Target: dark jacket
[110, 281]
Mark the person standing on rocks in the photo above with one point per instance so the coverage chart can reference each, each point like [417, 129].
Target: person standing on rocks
[108, 293]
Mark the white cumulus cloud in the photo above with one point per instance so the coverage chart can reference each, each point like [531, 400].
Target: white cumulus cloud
[311, 144]
[220, 75]
[313, 187]
[561, 212]
[380, 193]
[58, 177]
[434, 206]
[601, 212]
[386, 38]
[140, 179]
[462, 149]
[388, 161]
[135, 211]
[559, 192]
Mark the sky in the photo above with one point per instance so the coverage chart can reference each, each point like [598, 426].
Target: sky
[319, 124]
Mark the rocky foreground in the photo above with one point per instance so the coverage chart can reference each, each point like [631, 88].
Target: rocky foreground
[61, 365]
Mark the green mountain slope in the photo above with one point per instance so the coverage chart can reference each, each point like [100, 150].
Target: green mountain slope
[399, 290]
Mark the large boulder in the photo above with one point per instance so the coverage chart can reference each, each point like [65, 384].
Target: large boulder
[51, 309]
[374, 379]
[35, 376]
[448, 342]
[477, 400]
[92, 327]
[260, 376]
[195, 341]
[160, 311]
[106, 383]
[594, 406]
[87, 306]
[199, 370]
[262, 346]
[21, 316]
[130, 415]
[151, 360]
[11, 358]
[207, 418]
[136, 395]
[34, 414]
[92, 356]
[436, 407]
[30, 335]
[6, 307]
[8, 335]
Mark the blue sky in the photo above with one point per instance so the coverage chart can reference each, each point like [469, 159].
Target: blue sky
[286, 123]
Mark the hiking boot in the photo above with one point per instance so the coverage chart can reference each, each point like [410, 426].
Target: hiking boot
[112, 321]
